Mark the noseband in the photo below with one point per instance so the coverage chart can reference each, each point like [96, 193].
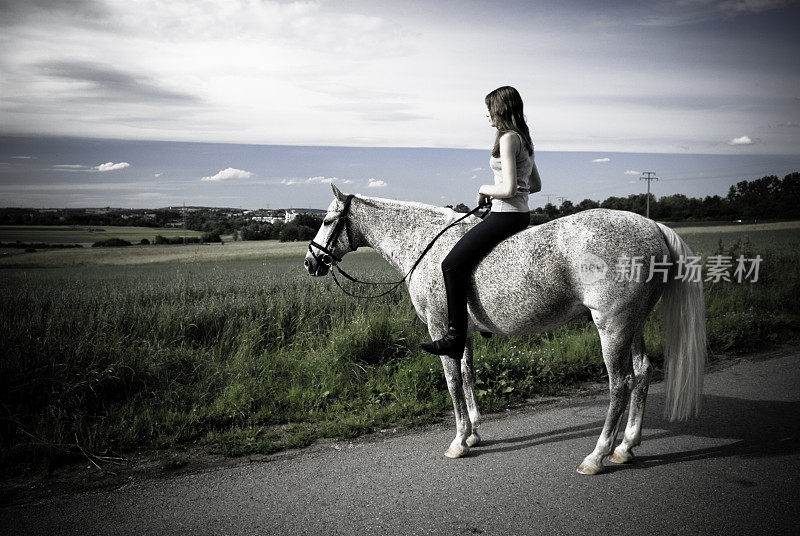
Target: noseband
[341, 223]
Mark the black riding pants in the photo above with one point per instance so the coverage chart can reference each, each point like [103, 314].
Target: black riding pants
[468, 252]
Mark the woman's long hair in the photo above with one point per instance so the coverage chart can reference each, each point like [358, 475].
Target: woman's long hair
[505, 109]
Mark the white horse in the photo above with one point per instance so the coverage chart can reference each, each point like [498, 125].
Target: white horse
[558, 271]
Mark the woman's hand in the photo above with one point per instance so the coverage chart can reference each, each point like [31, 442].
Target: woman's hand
[484, 199]
[535, 181]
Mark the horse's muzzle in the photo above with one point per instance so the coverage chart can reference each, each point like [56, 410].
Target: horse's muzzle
[317, 269]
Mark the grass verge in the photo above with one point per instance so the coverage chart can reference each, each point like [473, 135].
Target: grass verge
[254, 356]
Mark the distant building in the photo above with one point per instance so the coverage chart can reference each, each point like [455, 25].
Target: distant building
[287, 217]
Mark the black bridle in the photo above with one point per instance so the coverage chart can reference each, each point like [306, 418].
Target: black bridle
[332, 260]
[333, 237]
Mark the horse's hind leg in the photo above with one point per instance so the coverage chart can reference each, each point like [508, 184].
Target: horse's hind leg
[468, 379]
[615, 340]
[633, 432]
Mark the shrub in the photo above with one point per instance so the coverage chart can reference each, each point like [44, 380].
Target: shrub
[538, 219]
[177, 240]
[211, 237]
[293, 233]
[111, 243]
[144, 242]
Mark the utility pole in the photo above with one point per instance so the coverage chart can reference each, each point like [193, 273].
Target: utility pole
[548, 196]
[562, 198]
[648, 179]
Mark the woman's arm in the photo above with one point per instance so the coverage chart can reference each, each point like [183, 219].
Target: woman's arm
[535, 181]
[509, 147]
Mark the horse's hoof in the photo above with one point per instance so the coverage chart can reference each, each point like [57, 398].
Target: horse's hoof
[456, 451]
[590, 468]
[621, 456]
[473, 440]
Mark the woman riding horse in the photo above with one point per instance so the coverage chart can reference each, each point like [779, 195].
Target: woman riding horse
[515, 176]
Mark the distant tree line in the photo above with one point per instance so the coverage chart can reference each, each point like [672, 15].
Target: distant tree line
[69, 216]
[767, 198]
[303, 227]
[210, 221]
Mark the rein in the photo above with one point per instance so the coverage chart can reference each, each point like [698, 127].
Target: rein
[333, 260]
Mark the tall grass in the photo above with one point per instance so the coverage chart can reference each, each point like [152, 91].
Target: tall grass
[255, 356]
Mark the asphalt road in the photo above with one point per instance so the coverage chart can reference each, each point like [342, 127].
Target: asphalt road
[733, 471]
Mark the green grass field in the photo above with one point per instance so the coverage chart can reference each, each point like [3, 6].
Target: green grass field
[708, 243]
[248, 356]
[70, 234]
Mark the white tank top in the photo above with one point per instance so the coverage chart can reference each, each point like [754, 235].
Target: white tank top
[518, 203]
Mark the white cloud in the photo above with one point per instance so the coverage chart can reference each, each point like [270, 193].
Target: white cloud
[316, 180]
[228, 174]
[632, 172]
[111, 166]
[171, 70]
[157, 174]
[602, 160]
[474, 177]
[753, 6]
[374, 183]
[741, 140]
[24, 157]
[70, 166]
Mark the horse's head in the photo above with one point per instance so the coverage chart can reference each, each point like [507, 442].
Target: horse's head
[333, 240]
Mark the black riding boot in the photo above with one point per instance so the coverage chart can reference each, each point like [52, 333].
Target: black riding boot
[452, 344]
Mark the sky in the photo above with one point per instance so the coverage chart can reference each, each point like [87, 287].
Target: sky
[249, 102]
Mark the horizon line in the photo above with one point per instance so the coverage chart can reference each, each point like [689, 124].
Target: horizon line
[408, 147]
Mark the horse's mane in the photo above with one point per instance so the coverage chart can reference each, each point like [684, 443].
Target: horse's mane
[442, 215]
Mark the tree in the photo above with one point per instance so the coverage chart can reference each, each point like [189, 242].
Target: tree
[292, 233]
[307, 220]
[588, 204]
[671, 207]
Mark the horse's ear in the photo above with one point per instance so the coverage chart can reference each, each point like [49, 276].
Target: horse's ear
[339, 195]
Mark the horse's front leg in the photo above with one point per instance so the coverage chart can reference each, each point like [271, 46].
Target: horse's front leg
[468, 376]
[452, 372]
[455, 384]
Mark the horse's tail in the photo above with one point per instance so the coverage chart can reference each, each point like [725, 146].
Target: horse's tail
[683, 315]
